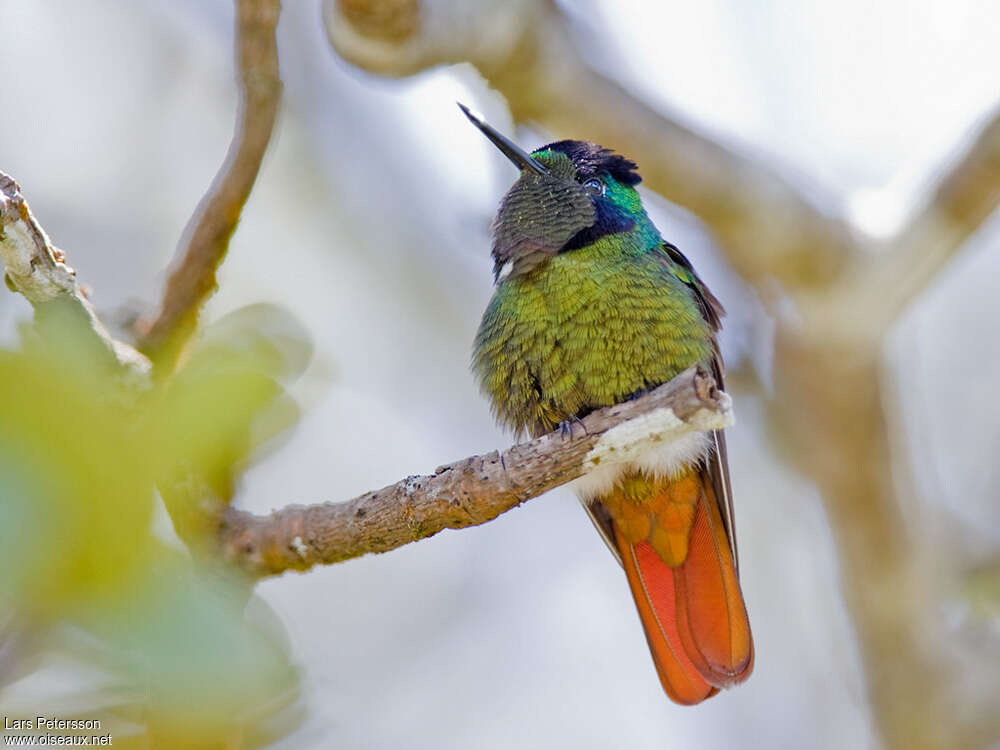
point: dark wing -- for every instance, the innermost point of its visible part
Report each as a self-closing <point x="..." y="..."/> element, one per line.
<point x="711" y="309"/>
<point x="601" y="519"/>
<point x="718" y="462"/>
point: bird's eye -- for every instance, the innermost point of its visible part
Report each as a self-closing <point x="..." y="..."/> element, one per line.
<point x="594" y="186"/>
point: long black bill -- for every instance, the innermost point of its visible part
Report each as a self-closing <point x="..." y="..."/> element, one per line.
<point x="510" y="149"/>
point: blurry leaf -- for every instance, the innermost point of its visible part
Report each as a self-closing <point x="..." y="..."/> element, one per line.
<point x="172" y="657"/>
<point x="273" y="335"/>
<point x="75" y="482"/>
<point x="60" y="330"/>
<point x="981" y="591"/>
<point x="227" y="400"/>
<point x="188" y="642"/>
<point x="20" y="653"/>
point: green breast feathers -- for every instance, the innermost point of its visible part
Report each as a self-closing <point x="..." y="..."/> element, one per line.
<point x="584" y="330"/>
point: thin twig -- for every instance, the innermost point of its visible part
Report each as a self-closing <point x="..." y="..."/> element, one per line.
<point x="206" y="239"/>
<point x="467" y="492"/>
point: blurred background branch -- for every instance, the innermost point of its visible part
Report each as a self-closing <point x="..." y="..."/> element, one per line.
<point x="828" y="403"/>
<point x="529" y="53"/>
<point x="206" y="239"/>
<point x="963" y="198"/>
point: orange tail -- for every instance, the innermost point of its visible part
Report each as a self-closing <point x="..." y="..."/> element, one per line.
<point x="681" y="571"/>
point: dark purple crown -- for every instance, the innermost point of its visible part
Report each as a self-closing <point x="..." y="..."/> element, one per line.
<point x="592" y="160"/>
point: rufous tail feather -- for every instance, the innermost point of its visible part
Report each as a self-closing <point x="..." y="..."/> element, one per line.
<point x="680" y="568"/>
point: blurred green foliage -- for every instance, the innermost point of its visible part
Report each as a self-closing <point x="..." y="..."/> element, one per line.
<point x="82" y="455"/>
<point x="981" y="591"/>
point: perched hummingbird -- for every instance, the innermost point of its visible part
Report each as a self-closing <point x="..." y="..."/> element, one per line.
<point x="593" y="307"/>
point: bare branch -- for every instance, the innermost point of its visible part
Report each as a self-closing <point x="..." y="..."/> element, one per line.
<point x="36" y="269"/>
<point x="208" y="233"/>
<point x="471" y="491"/>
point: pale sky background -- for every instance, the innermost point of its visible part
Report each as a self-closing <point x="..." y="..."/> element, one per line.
<point x="370" y="224"/>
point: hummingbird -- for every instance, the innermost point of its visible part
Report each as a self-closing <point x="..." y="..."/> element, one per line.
<point x="592" y="307"/>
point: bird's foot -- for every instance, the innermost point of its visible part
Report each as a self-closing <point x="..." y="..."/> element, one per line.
<point x="637" y="394"/>
<point x="566" y="427"/>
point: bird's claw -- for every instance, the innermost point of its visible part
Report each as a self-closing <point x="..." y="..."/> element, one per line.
<point x="566" y="427"/>
<point x="637" y="394"/>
